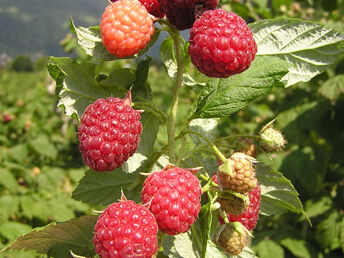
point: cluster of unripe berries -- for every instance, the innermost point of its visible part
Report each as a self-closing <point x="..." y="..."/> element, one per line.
<point x="239" y="197"/>
<point x="221" y="44"/>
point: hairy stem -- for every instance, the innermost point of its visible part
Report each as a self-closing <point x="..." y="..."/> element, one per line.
<point x="175" y="94"/>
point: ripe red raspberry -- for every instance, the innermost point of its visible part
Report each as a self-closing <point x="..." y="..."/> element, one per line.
<point x="221" y="44"/>
<point x="250" y="217"/>
<point x="242" y="178"/>
<point x="174" y="195"/>
<point x="126" y="229"/>
<point x="109" y="133"/>
<point x="231" y="240"/>
<point x="152" y="7"/>
<point x="183" y="13"/>
<point x="126" y="28"/>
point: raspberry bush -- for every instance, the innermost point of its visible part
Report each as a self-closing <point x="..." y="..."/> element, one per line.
<point x="169" y="165"/>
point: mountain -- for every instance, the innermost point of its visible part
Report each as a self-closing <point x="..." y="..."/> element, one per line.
<point x="37" y="26"/>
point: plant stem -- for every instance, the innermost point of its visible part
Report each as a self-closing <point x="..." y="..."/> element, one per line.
<point x="175" y="94"/>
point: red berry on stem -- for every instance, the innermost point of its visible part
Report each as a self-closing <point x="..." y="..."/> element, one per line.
<point x="152" y="7"/>
<point x="109" y="133"/>
<point x="221" y="44"/>
<point x="249" y="218"/>
<point x="183" y="13"/>
<point x="174" y="198"/>
<point x="126" y="28"/>
<point x="126" y="229"/>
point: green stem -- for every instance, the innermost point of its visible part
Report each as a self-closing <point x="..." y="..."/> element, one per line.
<point x="175" y="94"/>
<point x="181" y="151"/>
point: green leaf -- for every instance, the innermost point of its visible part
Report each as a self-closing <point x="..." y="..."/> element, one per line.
<point x="50" y="178"/>
<point x="298" y="247"/>
<point x="78" y="87"/>
<point x="90" y="40"/>
<point x="310" y="46"/>
<point x="206" y="127"/>
<point x="223" y="97"/>
<point x="333" y="88"/>
<point x="59" y="210"/>
<point x="189" y="245"/>
<point x="214" y="251"/>
<point x="8" y="180"/>
<point x="58" y="239"/>
<point x="10" y="229"/>
<point x="168" y="58"/>
<point x="121" y="79"/>
<point x="44" y="147"/>
<point x="182" y="245"/>
<point x="19" y="153"/>
<point x="328" y="231"/>
<point x="9" y="206"/>
<point x="102" y="188"/>
<point x="269" y="249"/>
<point x="150" y="126"/>
<point x="277" y="193"/>
<point x="245" y="253"/>
<point x="205" y="220"/>
<point x="142" y="70"/>
<point x="315" y="208"/>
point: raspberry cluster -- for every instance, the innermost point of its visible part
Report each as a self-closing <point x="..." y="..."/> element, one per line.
<point x="109" y="133"/>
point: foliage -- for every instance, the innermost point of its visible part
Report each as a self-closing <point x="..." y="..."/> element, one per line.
<point x="39" y="157"/>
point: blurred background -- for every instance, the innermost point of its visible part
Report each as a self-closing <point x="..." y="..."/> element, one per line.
<point x="40" y="163"/>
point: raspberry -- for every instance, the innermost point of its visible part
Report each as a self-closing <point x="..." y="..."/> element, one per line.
<point x="232" y="240"/>
<point x="152" y="7"/>
<point x="242" y="178"/>
<point x="248" y="147"/>
<point x="232" y="204"/>
<point x="109" y="133"/>
<point x="250" y="217"/>
<point x="126" y="229"/>
<point x="126" y="28"/>
<point x="183" y="13"/>
<point x="174" y="195"/>
<point x="221" y="44"/>
<point x="272" y="140"/>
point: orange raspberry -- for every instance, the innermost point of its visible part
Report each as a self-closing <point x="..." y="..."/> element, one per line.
<point x="126" y="28"/>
